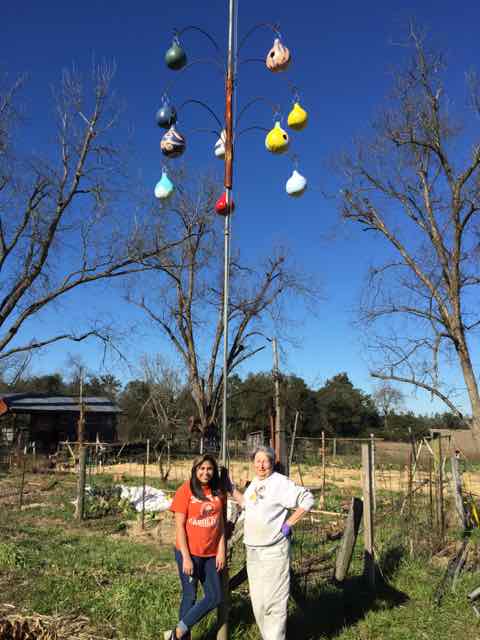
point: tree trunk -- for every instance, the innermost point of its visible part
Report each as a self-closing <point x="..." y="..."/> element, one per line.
<point x="472" y="387"/>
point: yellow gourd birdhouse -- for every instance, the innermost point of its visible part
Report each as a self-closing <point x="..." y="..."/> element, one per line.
<point x="277" y="140"/>
<point x="297" y="118"/>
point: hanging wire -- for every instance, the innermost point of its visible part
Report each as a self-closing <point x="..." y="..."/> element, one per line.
<point x="294" y="159"/>
<point x="267" y="25"/>
<point x="250" y="103"/>
<point x="277" y="114"/>
<point x="295" y="92"/>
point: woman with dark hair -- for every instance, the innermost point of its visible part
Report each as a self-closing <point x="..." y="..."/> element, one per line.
<point x="199" y="507"/>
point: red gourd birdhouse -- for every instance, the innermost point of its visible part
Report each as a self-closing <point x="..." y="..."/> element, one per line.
<point x="221" y="206"/>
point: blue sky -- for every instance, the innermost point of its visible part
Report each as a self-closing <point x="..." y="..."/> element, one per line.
<point x="342" y="58"/>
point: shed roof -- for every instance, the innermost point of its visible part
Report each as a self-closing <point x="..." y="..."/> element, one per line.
<point x="44" y="402"/>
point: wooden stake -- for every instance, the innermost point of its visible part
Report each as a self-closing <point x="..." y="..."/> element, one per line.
<point x="349" y="539"/>
<point x="22" y="481"/>
<point x="82" y="467"/>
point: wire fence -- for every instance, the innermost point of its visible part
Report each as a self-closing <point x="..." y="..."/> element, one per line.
<point x="414" y="503"/>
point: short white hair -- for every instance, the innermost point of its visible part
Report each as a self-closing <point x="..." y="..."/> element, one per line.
<point x="268" y="451"/>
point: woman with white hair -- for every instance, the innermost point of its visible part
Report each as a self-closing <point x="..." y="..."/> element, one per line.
<point x="267" y="531"/>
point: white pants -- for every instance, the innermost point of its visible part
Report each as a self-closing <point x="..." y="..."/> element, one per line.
<point x="268" y="571"/>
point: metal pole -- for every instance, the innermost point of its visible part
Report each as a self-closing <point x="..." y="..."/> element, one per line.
<point x="223" y="610"/>
<point x="280" y="444"/>
<point x="228" y="183"/>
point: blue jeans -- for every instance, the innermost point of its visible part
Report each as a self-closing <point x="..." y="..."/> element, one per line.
<point x="205" y="571"/>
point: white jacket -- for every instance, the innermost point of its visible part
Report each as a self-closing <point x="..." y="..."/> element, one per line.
<point x="266" y="505"/>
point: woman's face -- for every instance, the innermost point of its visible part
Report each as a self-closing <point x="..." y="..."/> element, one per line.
<point x="262" y="465"/>
<point x="204" y="472"/>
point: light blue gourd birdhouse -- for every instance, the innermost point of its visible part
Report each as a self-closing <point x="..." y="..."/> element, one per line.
<point x="164" y="187"/>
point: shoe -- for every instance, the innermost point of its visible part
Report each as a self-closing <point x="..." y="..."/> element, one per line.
<point x="169" y="635"/>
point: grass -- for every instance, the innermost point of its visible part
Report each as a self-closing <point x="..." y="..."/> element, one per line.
<point x="50" y="564"/>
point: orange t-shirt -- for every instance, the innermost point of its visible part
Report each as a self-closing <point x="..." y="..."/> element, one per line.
<point x="203" y="520"/>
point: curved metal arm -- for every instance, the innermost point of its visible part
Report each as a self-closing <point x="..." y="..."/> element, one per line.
<point x="216" y="133"/>
<point x="251" y="129"/>
<point x="195" y="28"/>
<point x="252" y="60"/>
<point x="178" y="74"/>
<point x="260" y="25"/>
<point x="275" y="107"/>
<point x="205" y="106"/>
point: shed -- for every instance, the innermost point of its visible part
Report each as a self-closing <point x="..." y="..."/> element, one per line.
<point x="49" y="419"/>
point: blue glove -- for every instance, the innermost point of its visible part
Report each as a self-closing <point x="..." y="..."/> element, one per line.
<point x="286" y="530"/>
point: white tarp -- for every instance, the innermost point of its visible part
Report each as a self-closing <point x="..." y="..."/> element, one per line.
<point x="155" y="499"/>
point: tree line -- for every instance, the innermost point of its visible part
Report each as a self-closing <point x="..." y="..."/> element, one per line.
<point x="162" y="406"/>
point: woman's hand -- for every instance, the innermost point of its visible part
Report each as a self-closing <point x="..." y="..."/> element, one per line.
<point x="220" y="560"/>
<point x="187" y="566"/>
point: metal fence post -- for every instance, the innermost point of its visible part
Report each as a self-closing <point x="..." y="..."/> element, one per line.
<point x="457" y="492"/>
<point x="374" y="484"/>
<point x="368" y="526"/>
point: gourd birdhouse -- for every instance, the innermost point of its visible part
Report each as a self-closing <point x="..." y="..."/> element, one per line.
<point x="173" y="143"/>
<point x="297" y="118"/>
<point x="277" y="140"/>
<point x="175" y="57"/>
<point x="219" y="149"/>
<point x="278" y="58"/>
<point x="164" y="187"/>
<point x="221" y="206"/>
<point x="166" y="115"/>
<point x="296" y="184"/>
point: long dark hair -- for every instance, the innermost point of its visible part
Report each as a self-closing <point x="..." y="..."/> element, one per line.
<point x="214" y="484"/>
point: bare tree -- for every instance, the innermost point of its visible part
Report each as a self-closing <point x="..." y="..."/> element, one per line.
<point x="165" y="388"/>
<point x="387" y="399"/>
<point x="62" y="215"/>
<point x="416" y="184"/>
<point x="188" y="307"/>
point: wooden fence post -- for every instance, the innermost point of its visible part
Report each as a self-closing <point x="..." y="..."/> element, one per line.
<point x="457" y="492"/>
<point x="349" y="539"/>
<point x="368" y="527"/>
<point x="82" y="469"/>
